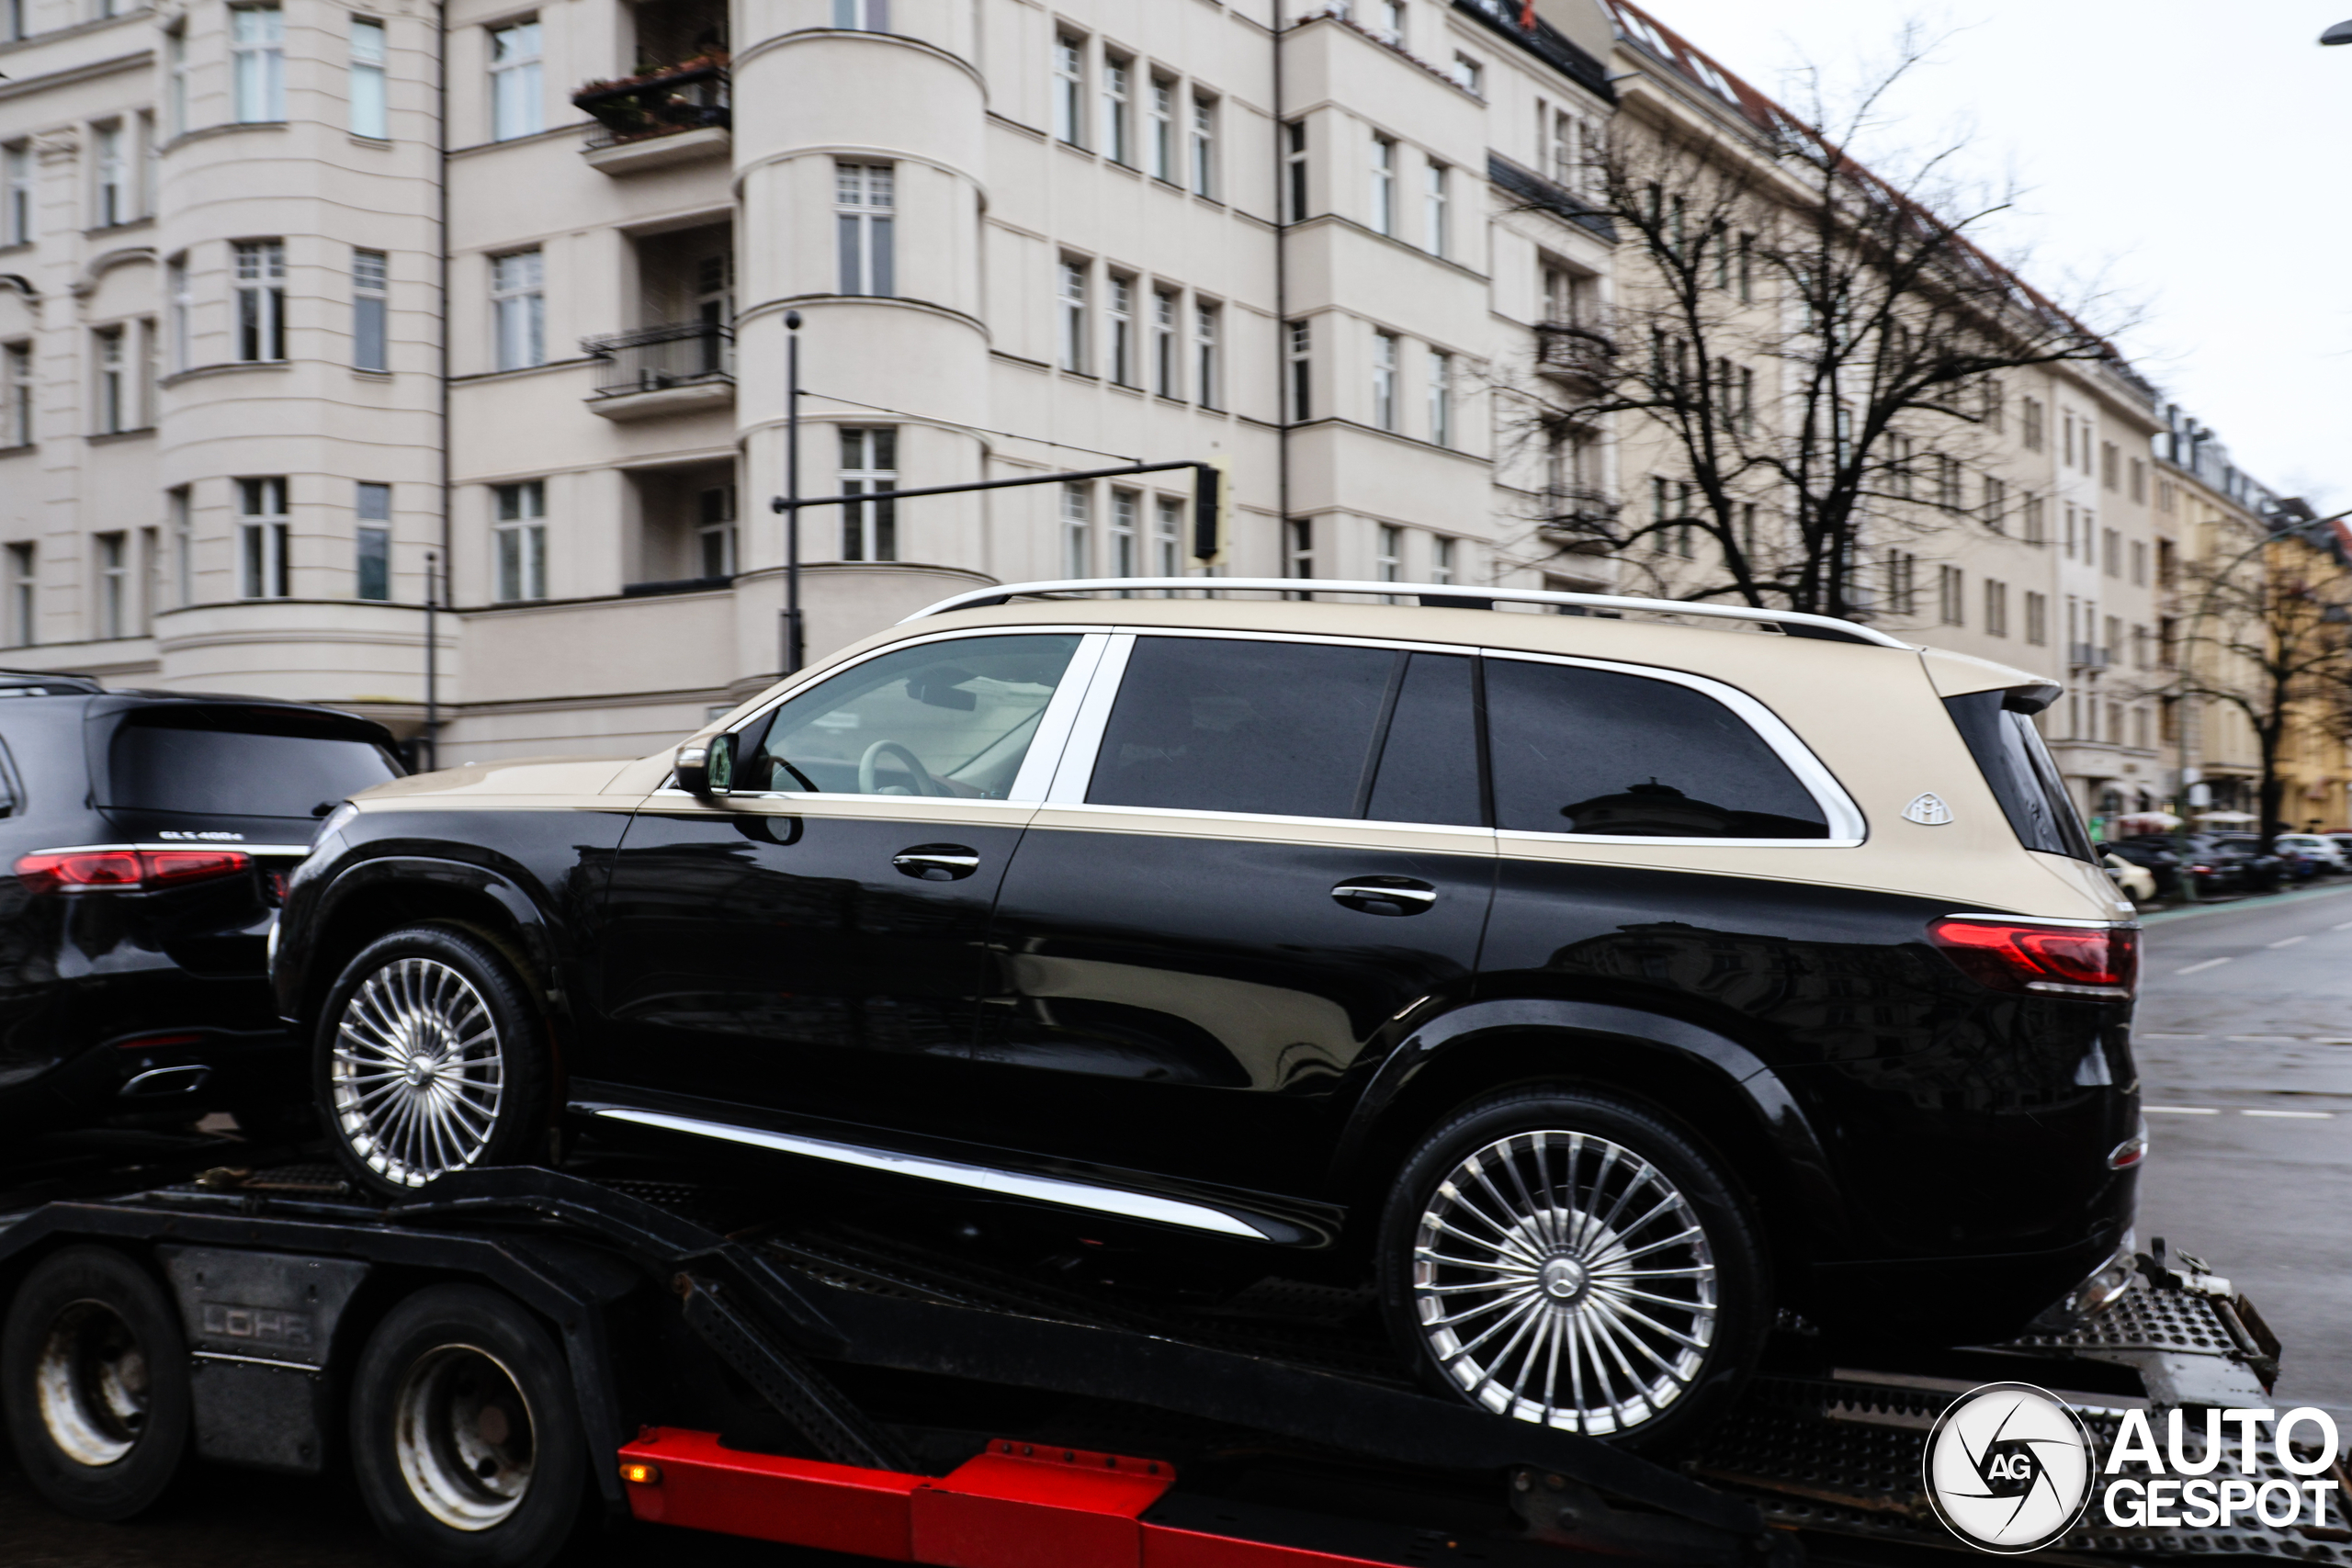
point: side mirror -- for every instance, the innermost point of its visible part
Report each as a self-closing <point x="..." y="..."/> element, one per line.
<point x="707" y="770"/>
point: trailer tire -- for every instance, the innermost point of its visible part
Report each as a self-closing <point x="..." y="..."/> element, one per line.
<point x="444" y="1008"/>
<point x="1507" y="1265"/>
<point x="465" y="1434"/>
<point x="93" y="1378"/>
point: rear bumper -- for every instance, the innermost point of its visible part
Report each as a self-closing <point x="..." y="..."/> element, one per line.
<point x="1956" y="1301"/>
<point x="161" y="1072"/>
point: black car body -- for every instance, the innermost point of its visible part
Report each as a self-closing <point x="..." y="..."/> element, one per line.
<point x="1193" y="969"/>
<point x="145" y="836"/>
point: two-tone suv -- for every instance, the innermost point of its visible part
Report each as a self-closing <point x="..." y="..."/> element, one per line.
<point x="144" y="838"/>
<point x="1586" y="988"/>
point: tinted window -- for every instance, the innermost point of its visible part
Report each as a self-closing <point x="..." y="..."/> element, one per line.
<point x="1592" y="751"/>
<point x="1204" y="724"/>
<point x="2010" y="753"/>
<point x="167" y="765"/>
<point x="943" y="719"/>
<point x="1429" y="761"/>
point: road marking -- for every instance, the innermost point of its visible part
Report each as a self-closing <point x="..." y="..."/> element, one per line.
<point x="2180" y="1111"/>
<point x="2346" y="926"/>
<point x="2209" y="963"/>
<point x="2262" y="1039"/>
<point x="2286" y="941"/>
<point x="2152" y="1034"/>
<point x="2294" y="1115"/>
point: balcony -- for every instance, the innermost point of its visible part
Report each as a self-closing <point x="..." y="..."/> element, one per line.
<point x="1578" y="517"/>
<point x="683" y="368"/>
<point x="668" y="115"/>
<point x="2087" y="656"/>
<point x="1569" y="351"/>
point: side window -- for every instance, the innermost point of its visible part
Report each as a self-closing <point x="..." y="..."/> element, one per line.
<point x="1208" y="723"/>
<point x="941" y="719"/>
<point x="10" y="800"/>
<point x="1577" y="750"/>
<point x="2009" y="752"/>
<point x="1429" y="761"/>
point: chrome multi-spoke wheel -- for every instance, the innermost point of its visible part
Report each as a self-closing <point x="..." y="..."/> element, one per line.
<point x="1559" y="1277"/>
<point x="417" y="1072"/>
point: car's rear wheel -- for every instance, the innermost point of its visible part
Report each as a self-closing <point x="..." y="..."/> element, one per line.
<point x="1570" y="1258"/>
<point x="431" y="1058"/>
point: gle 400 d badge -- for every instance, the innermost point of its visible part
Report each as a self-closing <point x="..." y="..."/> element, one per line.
<point x="2008" y="1467"/>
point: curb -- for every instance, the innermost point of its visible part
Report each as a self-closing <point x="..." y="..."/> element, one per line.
<point x="2259" y="901"/>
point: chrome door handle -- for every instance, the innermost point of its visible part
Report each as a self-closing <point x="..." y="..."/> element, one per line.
<point x="937" y="863"/>
<point x="1385" y="894"/>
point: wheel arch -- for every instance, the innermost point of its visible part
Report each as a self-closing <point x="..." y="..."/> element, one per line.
<point x="384" y="893"/>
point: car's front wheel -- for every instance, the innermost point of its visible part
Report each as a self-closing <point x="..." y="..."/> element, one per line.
<point x="1566" y="1257"/>
<point x="431" y="1058"/>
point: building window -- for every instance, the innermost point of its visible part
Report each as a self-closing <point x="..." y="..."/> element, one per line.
<point x="262" y="535"/>
<point x="1996" y="505"/>
<point x="113" y="203"/>
<point x="1205" y="355"/>
<point x="1166" y="537"/>
<point x="1299" y="561"/>
<point x="1294" y="169"/>
<point x="1996" y="608"/>
<point x="1440" y="559"/>
<point x="2035" y="515"/>
<point x="1162" y="134"/>
<point x="1121" y="315"/>
<point x="176" y="81"/>
<point x="16" y="395"/>
<point x="150" y="581"/>
<point x="865" y="201"/>
<point x="1071" y="306"/>
<point x="1433" y="204"/>
<point x="2140" y="491"/>
<point x="16" y="199"/>
<point x="517" y="104"/>
<point x="257" y="63"/>
<point x="1077" y="525"/>
<point x="2111" y="552"/>
<point x="179" y="304"/>
<point x="1118" y="144"/>
<point x="372" y="553"/>
<point x="1951" y="607"/>
<point x="1124" y="506"/>
<point x="860" y="17"/>
<point x="113" y="584"/>
<point x="2139" y="563"/>
<point x="869" y="467"/>
<point x="1383" y="380"/>
<point x="368" y="304"/>
<point x="1468" y="75"/>
<point x="1069" y="86"/>
<point x="2029" y="417"/>
<point x="2037" y="619"/>
<point x="1203" y="144"/>
<point x="1384" y="185"/>
<point x="23" y="594"/>
<point x="1302" y="368"/>
<point x="1165" y="379"/>
<point x="1440" y="397"/>
<point x="181" y="515"/>
<point x="1388" y="23"/>
<point x="1902" y="584"/>
<point x="518" y="306"/>
<point x="370" y="114"/>
<point x="2111" y="465"/>
<point x="113" y="411"/>
<point x="261" y="299"/>
<point x="1388" y="555"/>
<point x="715" y="530"/>
<point x="519" y="542"/>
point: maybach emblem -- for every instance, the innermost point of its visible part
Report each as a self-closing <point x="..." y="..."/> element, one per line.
<point x="1927" y="809"/>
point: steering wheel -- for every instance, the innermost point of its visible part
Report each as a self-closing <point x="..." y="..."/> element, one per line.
<point x="924" y="782"/>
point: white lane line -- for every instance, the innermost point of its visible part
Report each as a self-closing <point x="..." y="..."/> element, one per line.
<point x="2286" y="941"/>
<point x="2263" y="1039"/>
<point x="2294" y="1115"/>
<point x="2180" y="1111"/>
<point x="2209" y="963"/>
<point x="2346" y="926"/>
<point x="2153" y="1034"/>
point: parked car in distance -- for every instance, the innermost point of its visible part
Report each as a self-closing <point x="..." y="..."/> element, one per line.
<point x="2343" y="842"/>
<point x="2138" y="883"/>
<point x="146" y="835"/>
<point x="2153" y="854"/>
<point x="2232" y="863"/>
<point x="2320" y="850"/>
<point x="1577" y="993"/>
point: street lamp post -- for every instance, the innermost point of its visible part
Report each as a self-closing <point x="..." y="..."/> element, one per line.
<point x="788" y="503"/>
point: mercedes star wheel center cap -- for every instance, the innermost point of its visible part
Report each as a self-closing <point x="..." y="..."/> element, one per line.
<point x="1563" y="1278"/>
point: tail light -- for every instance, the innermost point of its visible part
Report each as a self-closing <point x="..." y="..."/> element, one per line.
<point x="126" y="871"/>
<point x="2020" y="955"/>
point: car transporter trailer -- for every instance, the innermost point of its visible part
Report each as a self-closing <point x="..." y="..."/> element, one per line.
<point x="683" y="1357"/>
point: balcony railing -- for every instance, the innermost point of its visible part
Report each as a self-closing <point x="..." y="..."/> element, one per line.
<point x="655" y="359"/>
<point x="660" y="102"/>
<point x="1578" y="513"/>
<point x="1573" y="351"/>
<point x="2087" y="656"/>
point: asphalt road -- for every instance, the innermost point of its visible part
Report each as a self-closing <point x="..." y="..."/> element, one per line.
<point x="2244" y="1042"/>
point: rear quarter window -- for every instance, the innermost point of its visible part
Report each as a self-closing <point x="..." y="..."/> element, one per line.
<point x="2017" y="765"/>
<point x="197" y="762"/>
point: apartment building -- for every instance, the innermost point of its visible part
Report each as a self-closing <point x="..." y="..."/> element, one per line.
<point x="293" y="338"/>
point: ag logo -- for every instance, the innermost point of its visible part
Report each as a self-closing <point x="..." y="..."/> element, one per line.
<point x="1928" y="810"/>
<point x="2008" y="1467"/>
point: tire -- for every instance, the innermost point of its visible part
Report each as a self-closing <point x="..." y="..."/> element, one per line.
<point x="430" y="1056"/>
<point x="94" y="1379"/>
<point x="465" y="1436"/>
<point x="1486" y="1276"/>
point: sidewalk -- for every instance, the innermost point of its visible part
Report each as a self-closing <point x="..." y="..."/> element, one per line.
<point x="2248" y="900"/>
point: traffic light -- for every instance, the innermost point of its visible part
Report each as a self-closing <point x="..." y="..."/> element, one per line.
<point x="1212" y="509"/>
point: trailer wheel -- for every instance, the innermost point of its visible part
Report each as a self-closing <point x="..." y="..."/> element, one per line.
<point x="94" y="1379"/>
<point x="465" y="1436"/>
<point x="1565" y="1258"/>
<point x="430" y="1058"/>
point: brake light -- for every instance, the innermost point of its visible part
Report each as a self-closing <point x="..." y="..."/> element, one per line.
<point x="2075" y="960"/>
<point x="104" y="871"/>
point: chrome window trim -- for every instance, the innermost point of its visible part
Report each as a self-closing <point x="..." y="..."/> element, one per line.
<point x="1848" y="827"/>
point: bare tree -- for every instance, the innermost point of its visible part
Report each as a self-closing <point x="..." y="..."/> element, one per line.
<point x="1815" y="343"/>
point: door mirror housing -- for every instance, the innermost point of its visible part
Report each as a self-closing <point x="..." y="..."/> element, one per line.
<point x="708" y="769"/>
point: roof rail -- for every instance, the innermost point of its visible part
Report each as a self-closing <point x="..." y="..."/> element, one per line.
<point x="1448" y="596"/>
<point x="46" y="684"/>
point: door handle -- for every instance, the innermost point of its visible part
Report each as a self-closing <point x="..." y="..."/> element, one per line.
<point x="937" y="863"/>
<point x="1385" y="894"/>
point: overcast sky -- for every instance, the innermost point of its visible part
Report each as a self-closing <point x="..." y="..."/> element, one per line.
<point x="2190" y="155"/>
